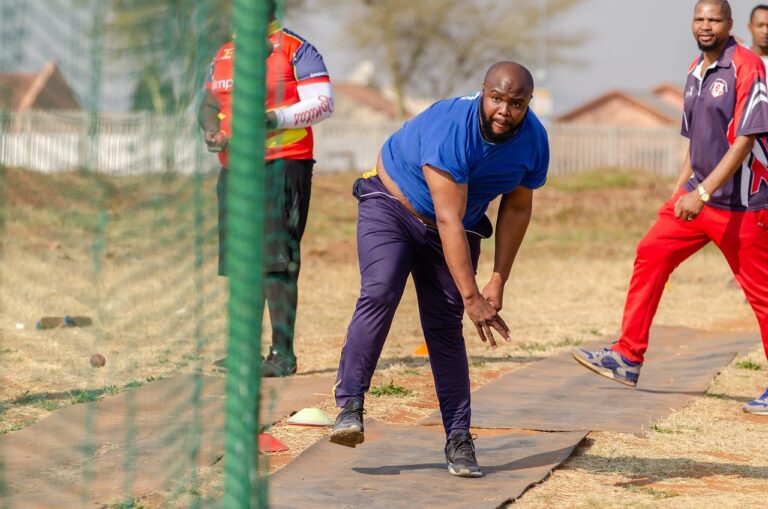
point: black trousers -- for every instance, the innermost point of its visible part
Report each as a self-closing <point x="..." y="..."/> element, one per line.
<point x="287" y="189"/>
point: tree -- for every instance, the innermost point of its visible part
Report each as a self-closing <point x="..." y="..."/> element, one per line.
<point x="153" y="93"/>
<point x="171" y="42"/>
<point x="168" y="45"/>
<point x="435" y="47"/>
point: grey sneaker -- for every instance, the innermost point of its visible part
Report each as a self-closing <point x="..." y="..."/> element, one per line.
<point x="610" y="364"/>
<point x="460" y="455"/>
<point x="348" y="429"/>
<point x="758" y="406"/>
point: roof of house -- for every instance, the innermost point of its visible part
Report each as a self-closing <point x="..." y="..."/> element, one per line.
<point x="13" y="88"/>
<point x="368" y="96"/>
<point x="650" y="102"/>
<point x="668" y="87"/>
<point x="46" y="89"/>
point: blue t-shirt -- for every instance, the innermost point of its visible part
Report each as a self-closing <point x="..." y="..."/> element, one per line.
<point x="447" y="136"/>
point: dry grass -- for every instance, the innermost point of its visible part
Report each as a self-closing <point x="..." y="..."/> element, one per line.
<point x="126" y="256"/>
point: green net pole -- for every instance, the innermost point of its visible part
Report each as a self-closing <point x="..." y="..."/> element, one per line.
<point x="98" y="248"/>
<point x="244" y="482"/>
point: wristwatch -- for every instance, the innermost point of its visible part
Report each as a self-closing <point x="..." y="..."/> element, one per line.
<point x="703" y="194"/>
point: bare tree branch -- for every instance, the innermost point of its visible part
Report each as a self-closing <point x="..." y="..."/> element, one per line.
<point x="437" y="47"/>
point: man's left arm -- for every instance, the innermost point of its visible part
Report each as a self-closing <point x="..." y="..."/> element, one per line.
<point x="749" y="121"/>
<point x="315" y="104"/>
<point x="313" y="88"/>
<point x="511" y="225"/>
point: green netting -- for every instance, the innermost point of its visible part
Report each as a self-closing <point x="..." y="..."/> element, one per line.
<point x="110" y="248"/>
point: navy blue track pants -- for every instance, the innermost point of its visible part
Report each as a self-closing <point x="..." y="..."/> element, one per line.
<point x="391" y="244"/>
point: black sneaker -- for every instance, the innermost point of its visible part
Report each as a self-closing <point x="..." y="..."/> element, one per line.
<point x="273" y="366"/>
<point x="220" y="364"/>
<point x="277" y="364"/>
<point x="460" y="455"/>
<point x="348" y="429"/>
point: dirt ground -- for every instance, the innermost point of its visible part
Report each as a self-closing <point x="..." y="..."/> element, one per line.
<point x="138" y="256"/>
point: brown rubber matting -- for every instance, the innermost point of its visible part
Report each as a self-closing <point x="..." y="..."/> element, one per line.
<point x="558" y="394"/>
<point x="404" y="466"/>
<point x="140" y="441"/>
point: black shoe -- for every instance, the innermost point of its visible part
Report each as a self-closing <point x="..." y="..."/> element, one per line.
<point x="460" y="455"/>
<point x="348" y="429"/>
<point x="220" y="364"/>
<point x="277" y="364"/>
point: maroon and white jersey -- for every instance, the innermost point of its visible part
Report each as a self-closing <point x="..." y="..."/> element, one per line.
<point x="731" y="100"/>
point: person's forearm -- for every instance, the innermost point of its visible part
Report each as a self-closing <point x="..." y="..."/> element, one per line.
<point x="511" y="226"/>
<point x="729" y="164"/>
<point x="457" y="257"/>
<point x="208" y="118"/>
<point x="685" y="173"/>
<point x="315" y="104"/>
<point x="208" y="114"/>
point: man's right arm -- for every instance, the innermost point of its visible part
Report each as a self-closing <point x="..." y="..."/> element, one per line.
<point x="685" y="173"/>
<point x="208" y="118"/>
<point x="450" y="200"/>
<point x="208" y="115"/>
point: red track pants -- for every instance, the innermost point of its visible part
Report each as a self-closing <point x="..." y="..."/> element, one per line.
<point x="741" y="236"/>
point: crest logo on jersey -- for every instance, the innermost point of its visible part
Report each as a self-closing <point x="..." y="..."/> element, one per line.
<point x="690" y="91"/>
<point x="228" y="53"/>
<point x="718" y="88"/>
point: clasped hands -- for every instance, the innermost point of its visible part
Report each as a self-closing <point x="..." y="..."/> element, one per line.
<point x="483" y="309"/>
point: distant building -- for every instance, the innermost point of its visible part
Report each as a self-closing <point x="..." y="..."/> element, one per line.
<point x="45" y="90"/>
<point x="661" y="107"/>
<point x="355" y="102"/>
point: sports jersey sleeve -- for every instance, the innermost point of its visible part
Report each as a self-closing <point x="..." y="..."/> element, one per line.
<point x="315" y="104"/>
<point x="536" y="176"/>
<point x="685" y="128"/>
<point x="443" y="146"/>
<point x="751" y="112"/>
<point x="308" y="65"/>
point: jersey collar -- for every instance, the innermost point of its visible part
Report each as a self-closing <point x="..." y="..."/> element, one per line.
<point x="725" y="60"/>
<point x="273" y="27"/>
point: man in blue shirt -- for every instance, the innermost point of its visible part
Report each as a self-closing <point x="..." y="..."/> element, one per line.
<point x="422" y="212"/>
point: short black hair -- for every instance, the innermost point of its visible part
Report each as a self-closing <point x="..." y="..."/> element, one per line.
<point x="759" y="7"/>
<point x="724" y="5"/>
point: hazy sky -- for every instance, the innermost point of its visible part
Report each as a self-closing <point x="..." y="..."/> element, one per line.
<point x="632" y="44"/>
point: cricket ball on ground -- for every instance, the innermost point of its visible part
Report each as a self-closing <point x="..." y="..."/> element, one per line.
<point x="98" y="360"/>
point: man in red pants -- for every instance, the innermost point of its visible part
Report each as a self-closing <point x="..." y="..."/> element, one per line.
<point x="722" y="193"/>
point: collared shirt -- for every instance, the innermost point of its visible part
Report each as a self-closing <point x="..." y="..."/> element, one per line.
<point x="447" y="136"/>
<point x="730" y="100"/>
<point x="293" y="62"/>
